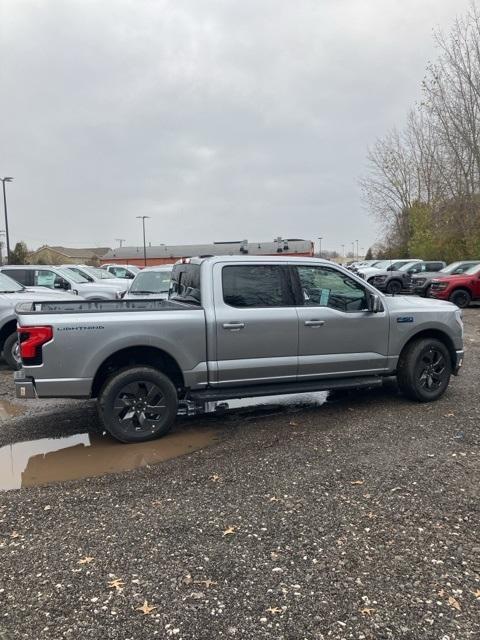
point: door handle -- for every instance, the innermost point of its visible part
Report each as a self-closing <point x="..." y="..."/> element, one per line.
<point x="314" y="323"/>
<point x="233" y="326"/>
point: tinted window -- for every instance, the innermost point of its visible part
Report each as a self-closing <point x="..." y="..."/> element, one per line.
<point x="24" y="276"/>
<point x="325" y="287"/>
<point x="256" y="286"/>
<point x="186" y="283"/>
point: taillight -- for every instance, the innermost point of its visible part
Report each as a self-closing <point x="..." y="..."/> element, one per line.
<point x="31" y="341"/>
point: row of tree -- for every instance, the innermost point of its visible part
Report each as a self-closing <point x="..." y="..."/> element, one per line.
<point x="423" y="181"/>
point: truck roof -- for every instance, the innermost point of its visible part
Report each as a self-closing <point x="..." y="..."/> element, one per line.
<point x="237" y="258"/>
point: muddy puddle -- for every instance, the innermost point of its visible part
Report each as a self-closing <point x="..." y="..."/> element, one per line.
<point x="48" y="460"/>
<point x="9" y="410"/>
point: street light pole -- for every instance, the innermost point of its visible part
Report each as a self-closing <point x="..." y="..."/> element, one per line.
<point x="357" y="248"/>
<point x="4" y="180"/>
<point x="320" y="247"/>
<point x="143" y="218"/>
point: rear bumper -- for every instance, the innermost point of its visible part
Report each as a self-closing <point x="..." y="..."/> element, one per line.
<point x="24" y="387"/>
<point x="458" y="362"/>
<point x="29" y="387"/>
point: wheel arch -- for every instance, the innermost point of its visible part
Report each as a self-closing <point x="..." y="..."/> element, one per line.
<point x="137" y="356"/>
<point x="438" y="334"/>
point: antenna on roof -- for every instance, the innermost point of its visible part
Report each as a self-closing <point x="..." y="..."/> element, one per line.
<point x="120" y="241"/>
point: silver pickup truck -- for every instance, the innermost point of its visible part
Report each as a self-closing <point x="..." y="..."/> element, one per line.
<point x="235" y="327"/>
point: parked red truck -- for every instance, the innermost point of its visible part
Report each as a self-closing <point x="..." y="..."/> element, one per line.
<point x="459" y="289"/>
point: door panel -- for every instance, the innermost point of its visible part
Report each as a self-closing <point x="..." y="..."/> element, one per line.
<point x="337" y="334"/>
<point x="256" y="329"/>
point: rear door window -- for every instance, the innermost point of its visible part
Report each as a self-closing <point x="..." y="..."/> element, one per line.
<point x="257" y="286"/>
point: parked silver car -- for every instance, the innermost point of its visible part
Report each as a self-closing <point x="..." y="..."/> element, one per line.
<point x="58" y="278"/>
<point x="11" y="293"/>
<point x="152" y="282"/>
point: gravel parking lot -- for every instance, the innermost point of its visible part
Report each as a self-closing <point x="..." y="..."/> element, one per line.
<point x="358" y="519"/>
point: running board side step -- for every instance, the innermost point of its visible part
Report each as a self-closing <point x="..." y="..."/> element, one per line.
<point x="229" y="393"/>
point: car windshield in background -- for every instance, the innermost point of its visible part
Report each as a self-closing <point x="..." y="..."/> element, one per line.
<point x="407" y="266"/>
<point x="473" y="270"/>
<point x="99" y="273"/>
<point x="151" y="282"/>
<point x="383" y="264"/>
<point x="8" y="285"/>
<point x="71" y="275"/>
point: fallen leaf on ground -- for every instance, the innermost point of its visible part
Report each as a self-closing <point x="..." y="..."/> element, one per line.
<point x="274" y="499"/>
<point x="229" y="531"/>
<point x="368" y="611"/>
<point x="453" y="603"/>
<point x="293" y="424"/>
<point x="208" y="583"/>
<point x="357" y="482"/>
<point x="14" y="534"/>
<point x="117" y="584"/>
<point x="85" y="560"/>
<point x="215" y="477"/>
<point x="156" y="503"/>
<point x="476" y="593"/>
<point x="187" y="579"/>
<point x="146" y="608"/>
<point x="274" y="610"/>
<point x="449" y="415"/>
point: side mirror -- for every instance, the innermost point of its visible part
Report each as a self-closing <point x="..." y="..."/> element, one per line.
<point x="374" y="303"/>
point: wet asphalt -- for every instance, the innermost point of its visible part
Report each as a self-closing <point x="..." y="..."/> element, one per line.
<point x="355" y="519"/>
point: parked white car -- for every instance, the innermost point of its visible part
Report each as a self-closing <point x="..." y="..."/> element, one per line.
<point x="124" y="271"/>
<point x="151" y="282"/>
<point x="93" y="274"/>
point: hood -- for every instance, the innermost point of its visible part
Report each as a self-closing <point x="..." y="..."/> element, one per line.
<point x="444" y="276"/>
<point x="37" y="294"/>
<point x="428" y="274"/>
<point x="404" y="304"/>
<point x="371" y="271"/>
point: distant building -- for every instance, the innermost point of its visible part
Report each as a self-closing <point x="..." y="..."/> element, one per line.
<point x="63" y="255"/>
<point x="167" y="254"/>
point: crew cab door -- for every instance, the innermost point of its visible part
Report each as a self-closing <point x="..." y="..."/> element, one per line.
<point x="337" y="333"/>
<point x="256" y="324"/>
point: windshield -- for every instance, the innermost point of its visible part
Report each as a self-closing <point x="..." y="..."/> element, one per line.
<point x="151" y="282"/>
<point x="99" y="273"/>
<point x="473" y="270"/>
<point x="407" y="266"/>
<point x="382" y="264"/>
<point x="450" y="268"/>
<point x="71" y="275"/>
<point x="8" y="285"/>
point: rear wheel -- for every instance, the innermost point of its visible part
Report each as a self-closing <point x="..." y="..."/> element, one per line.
<point x="11" y="352"/>
<point x="461" y="297"/>
<point x="138" y="404"/>
<point x="394" y="287"/>
<point x="424" y="370"/>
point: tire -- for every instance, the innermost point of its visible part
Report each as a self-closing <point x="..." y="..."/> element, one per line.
<point x="461" y="297"/>
<point x="11" y="352"/>
<point x="124" y="397"/>
<point x="424" y="370"/>
<point x="426" y="292"/>
<point x="394" y="287"/>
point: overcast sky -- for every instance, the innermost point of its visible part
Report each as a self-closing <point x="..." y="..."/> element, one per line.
<point x="220" y="119"/>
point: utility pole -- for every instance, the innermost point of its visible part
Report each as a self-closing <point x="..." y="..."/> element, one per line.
<point x="2" y="233"/>
<point x="357" y="248"/>
<point x="320" y="238"/>
<point x="143" y="218"/>
<point x="343" y="251"/>
<point x="353" y="250"/>
<point x="120" y="241"/>
<point x="4" y="180"/>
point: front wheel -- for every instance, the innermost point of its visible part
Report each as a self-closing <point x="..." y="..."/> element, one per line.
<point x="11" y="352"/>
<point x="394" y="287"/>
<point x="138" y="404"/>
<point x="424" y="370"/>
<point x="461" y="297"/>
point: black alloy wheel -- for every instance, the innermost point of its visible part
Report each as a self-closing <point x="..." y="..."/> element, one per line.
<point x="138" y="404"/>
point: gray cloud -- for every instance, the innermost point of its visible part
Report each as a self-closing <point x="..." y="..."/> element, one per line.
<point x="221" y="120"/>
